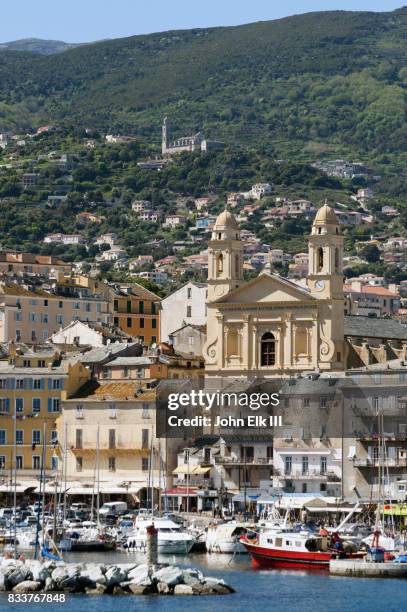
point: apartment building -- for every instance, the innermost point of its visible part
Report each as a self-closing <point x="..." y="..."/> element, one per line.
<point x="32" y="385"/>
<point x="186" y="305"/>
<point x="136" y="311"/>
<point x="114" y="420"/>
<point x="28" y="263"/>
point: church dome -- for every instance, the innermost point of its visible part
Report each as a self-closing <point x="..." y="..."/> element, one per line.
<point x="226" y="220"/>
<point x="326" y="216"/>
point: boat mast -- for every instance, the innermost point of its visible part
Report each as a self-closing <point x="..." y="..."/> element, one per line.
<point x="98" y="475"/>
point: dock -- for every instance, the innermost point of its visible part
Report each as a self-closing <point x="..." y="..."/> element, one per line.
<point x="358" y="568"/>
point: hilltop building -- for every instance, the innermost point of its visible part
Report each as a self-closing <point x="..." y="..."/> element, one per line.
<point x="196" y="142"/>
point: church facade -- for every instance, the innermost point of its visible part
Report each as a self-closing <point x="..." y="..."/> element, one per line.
<point x="269" y="326"/>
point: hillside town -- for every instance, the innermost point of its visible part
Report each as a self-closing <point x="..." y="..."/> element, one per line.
<point x="227" y="289"/>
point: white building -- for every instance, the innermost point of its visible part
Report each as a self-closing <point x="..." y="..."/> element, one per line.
<point x="83" y="334"/>
<point x="110" y="238"/>
<point x="155" y="276"/>
<point x="139" y="206"/>
<point x="65" y="238"/>
<point x="183" y="306"/>
<point x="113" y="254"/>
<point x="260" y="189"/>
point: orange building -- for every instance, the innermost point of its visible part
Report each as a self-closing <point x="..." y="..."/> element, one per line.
<point x="136" y="311"/>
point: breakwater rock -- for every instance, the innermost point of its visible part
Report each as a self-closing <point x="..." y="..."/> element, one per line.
<point x="97" y="578"/>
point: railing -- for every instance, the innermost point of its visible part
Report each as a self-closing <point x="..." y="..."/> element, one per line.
<point x="241" y="461"/>
<point x="309" y="475"/>
<point x="202" y="483"/>
<point x="382" y="462"/>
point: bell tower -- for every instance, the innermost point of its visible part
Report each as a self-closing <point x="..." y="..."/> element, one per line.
<point x="325" y="266"/>
<point x="225" y="257"/>
<point x="165" y="136"/>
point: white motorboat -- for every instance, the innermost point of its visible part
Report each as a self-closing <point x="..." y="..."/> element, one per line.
<point x="172" y="538"/>
<point x="225" y="538"/>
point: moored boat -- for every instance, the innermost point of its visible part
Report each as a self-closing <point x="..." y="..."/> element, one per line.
<point x="288" y="549"/>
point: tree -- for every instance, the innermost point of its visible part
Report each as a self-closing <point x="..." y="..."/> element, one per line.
<point x="371" y="253"/>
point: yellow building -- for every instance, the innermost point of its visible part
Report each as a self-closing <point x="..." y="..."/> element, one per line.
<point x="270" y="326"/>
<point x="112" y="424"/>
<point x="32" y="385"/>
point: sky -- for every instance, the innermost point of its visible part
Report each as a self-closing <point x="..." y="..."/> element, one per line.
<point x="89" y="20"/>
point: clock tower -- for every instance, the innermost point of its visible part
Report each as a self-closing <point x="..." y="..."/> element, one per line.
<point x="325" y="275"/>
<point x="225" y="257"/>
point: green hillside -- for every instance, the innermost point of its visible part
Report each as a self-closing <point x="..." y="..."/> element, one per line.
<point x="331" y="82"/>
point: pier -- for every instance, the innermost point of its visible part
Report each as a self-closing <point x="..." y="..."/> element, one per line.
<point x="359" y="568"/>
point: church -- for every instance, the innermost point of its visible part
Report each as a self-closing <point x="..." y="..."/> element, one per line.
<point x="269" y="326"/>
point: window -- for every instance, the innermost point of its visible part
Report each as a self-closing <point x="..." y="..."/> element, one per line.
<point x="32" y="317"/>
<point x="19" y="462"/>
<point x="3" y="436"/>
<point x="4" y="405"/>
<point x="76" y="305"/>
<point x="144" y="438"/>
<point x="60" y="319"/>
<point x="20" y="383"/>
<point x="376" y="403"/>
<point x="288" y="460"/>
<point x="18" y="335"/>
<point x="323" y="403"/>
<point x="305" y="464"/>
<point x="141" y="323"/>
<point x="128" y="306"/>
<point x="56" y="383"/>
<point x="112" y="411"/>
<point x="45" y="302"/>
<point x="189" y="293"/>
<point x="19" y="404"/>
<point x="54" y="436"/>
<point x="3" y="383"/>
<point x="33" y="335"/>
<point x="323" y="465"/>
<point x="37" y="383"/>
<point x="112" y="464"/>
<point x="144" y="413"/>
<point x="219" y="265"/>
<point x="141" y="338"/>
<point x="337" y="260"/>
<point x="18" y="315"/>
<point x="305" y="402"/>
<point x="116" y="305"/>
<point x="141" y="307"/>
<point x="60" y="304"/>
<point x="19" y="436"/>
<point x="153" y="339"/>
<point x="191" y="340"/>
<point x="54" y="463"/>
<point x="78" y="438"/>
<point x="154" y="323"/>
<point x="144" y="464"/>
<point x="36" y="436"/>
<point x="268" y="349"/>
<point x="112" y="438"/>
<point x="87" y="307"/>
<point x="79" y="464"/>
<point x="36" y="405"/>
<point x="53" y="404"/>
<point x="320" y="255"/>
<point x="2" y="462"/>
<point x="116" y="321"/>
<point x="189" y="311"/>
<point x="128" y="323"/>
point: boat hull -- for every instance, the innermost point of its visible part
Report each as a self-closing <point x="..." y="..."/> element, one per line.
<point x="266" y="558"/>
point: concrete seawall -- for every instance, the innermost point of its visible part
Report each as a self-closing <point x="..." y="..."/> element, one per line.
<point x="362" y="569"/>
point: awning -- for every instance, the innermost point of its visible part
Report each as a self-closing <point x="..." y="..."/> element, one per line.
<point x="50" y="487"/>
<point x="332" y="509"/>
<point x="192" y="469"/>
<point x="20" y="487"/>
<point x="180" y="492"/>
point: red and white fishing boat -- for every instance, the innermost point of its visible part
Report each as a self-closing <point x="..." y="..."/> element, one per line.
<point x="285" y="548"/>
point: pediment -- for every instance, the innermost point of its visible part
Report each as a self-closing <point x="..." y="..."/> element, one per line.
<point x="266" y="288"/>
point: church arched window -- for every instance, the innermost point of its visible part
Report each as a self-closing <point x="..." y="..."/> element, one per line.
<point x="320" y="257"/>
<point x="237" y="265"/>
<point x="268" y="349"/>
<point x="219" y="265"/>
<point x="337" y="260"/>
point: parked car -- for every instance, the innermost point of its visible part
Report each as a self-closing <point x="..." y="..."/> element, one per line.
<point x="114" y="508"/>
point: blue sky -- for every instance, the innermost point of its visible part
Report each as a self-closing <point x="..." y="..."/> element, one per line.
<point x="87" y="20"/>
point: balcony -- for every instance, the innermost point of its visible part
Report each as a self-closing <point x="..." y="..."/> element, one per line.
<point x="389" y="437"/>
<point x="237" y="461"/>
<point x="382" y="462"/>
<point x="309" y="475"/>
<point x="201" y="483"/>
